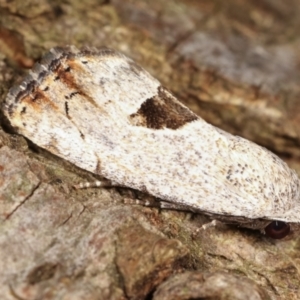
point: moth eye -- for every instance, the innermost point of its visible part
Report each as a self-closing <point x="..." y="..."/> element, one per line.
<point x="277" y="230"/>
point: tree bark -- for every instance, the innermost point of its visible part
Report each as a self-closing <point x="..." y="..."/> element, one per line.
<point x="236" y="64"/>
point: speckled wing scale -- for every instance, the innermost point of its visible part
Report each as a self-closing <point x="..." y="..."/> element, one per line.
<point x="104" y="113"/>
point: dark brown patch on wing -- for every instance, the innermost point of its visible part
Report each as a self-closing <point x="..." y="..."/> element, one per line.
<point x="162" y="111"/>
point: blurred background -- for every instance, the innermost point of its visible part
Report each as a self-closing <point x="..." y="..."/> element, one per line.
<point x="235" y="63"/>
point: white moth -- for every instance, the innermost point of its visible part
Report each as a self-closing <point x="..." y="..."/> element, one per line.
<point x="104" y="113"/>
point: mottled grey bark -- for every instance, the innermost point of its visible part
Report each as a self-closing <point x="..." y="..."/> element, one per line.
<point x="234" y="63"/>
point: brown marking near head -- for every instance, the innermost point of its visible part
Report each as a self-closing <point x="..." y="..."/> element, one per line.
<point x="37" y="100"/>
<point x="162" y="111"/>
<point x="74" y="65"/>
<point x="68" y="79"/>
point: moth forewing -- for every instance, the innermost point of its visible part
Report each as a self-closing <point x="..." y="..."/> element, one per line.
<point x="104" y="113"/>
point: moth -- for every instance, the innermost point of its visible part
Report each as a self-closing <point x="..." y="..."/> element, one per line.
<point x="101" y="111"/>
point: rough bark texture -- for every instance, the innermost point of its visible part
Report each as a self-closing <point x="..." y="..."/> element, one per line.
<point x="235" y="63"/>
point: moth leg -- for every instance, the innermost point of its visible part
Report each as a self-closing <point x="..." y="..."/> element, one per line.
<point x="187" y="208"/>
<point x="213" y="223"/>
<point x="105" y="183"/>
<point x="152" y="201"/>
<point x="182" y="207"/>
<point x="147" y="200"/>
<point x="205" y="226"/>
